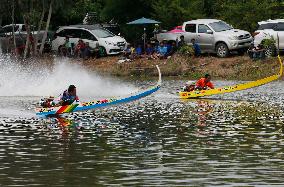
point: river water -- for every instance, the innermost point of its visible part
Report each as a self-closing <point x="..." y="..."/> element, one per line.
<point x="228" y="140"/>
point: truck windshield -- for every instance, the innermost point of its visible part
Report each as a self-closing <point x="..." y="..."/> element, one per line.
<point x="101" y="33"/>
<point x="220" y="26"/>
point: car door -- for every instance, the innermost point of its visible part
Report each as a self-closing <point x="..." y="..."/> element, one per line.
<point x="190" y="32"/>
<point x="205" y="38"/>
<point x="280" y="35"/>
<point x="87" y="36"/>
<point x="59" y="39"/>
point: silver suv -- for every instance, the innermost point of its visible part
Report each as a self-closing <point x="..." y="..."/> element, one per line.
<point x="214" y="36"/>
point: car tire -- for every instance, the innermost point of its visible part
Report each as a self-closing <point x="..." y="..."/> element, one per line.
<point x="222" y="50"/>
<point x="104" y="53"/>
<point x="270" y="51"/>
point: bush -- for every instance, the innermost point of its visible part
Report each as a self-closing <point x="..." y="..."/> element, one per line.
<point x="186" y="50"/>
<point x="268" y="42"/>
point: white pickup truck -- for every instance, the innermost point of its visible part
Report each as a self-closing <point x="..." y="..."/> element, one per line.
<point x="213" y="36"/>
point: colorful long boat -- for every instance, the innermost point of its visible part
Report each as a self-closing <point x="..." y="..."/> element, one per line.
<point x="234" y="88"/>
<point x="82" y="106"/>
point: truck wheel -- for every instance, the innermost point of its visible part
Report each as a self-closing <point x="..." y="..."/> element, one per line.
<point x="222" y="50"/>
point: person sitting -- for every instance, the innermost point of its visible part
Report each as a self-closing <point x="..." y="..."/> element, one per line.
<point x="66" y="98"/>
<point x="173" y="48"/>
<point x="204" y="83"/>
<point x="79" y="49"/>
<point x="149" y="51"/>
<point x="127" y="51"/>
<point x="256" y="53"/>
<point x="189" y="86"/>
<point x="181" y="42"/>
<point x="162" y="51"/>
<point x="196" y="47"/>
<point x="66" y="48"/>
<point x="87" y="51"/>
<point x="138" y="51"/>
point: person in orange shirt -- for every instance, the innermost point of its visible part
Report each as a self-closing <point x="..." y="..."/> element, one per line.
<point x="204" y="83"/>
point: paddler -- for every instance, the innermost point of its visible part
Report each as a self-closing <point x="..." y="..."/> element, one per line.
<point x="204" y="83"/>
<point x="66" y="98"/>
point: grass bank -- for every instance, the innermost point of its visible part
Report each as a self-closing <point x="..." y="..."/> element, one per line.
<point x="232" y="68"/>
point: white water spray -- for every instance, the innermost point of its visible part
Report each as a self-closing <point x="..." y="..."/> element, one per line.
<point x="26" y="80"/>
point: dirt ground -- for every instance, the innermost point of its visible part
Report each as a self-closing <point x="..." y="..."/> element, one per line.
<point x="231" y="68"/>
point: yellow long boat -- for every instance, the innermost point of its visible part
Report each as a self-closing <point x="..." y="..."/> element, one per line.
<point x="234" y="88"/>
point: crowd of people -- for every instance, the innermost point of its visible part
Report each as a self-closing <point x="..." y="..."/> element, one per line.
<point x="81" y="49"/>
<point x="157" y="50"/>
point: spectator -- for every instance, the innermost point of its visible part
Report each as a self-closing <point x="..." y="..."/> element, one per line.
<point x="162" y="51"/>
<point x="66" y="48"/>
<point x="181" y="42"/>
<point x="173" y="48"/>
<point x="196" y="47"/>
<point x="127" y="51"/>
<point x="99" y="51"/>
<point x="79" y="49"/>
<point x="87" y="51"/>
<point x="138" y="51"/>
<point x="149" y="51"/>
<point x="256" y="53"/>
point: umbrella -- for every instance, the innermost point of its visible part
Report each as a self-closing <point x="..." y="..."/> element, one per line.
<point x="143" y="21"/>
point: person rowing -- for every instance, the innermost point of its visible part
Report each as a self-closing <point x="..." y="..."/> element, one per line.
<point x="204" y="83"/>
<point x="66" y="98"/>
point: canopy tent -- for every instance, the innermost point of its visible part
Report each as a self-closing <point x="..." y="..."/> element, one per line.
<point x="143" y="21"/>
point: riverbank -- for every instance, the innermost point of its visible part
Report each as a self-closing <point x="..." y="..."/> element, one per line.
<point x="232" y="68"/>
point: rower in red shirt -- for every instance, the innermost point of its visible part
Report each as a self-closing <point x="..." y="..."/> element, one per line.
<point x="204" y="83"/>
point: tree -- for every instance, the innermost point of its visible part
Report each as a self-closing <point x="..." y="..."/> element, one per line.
<point x="174" y="12"/>
<point x="39" y="25"/>
<point x="245" y="14"/>
<point x="46" y="27"/>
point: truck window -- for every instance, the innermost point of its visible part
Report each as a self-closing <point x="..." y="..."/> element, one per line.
<point x="266" y="26"/>
<point x="190" y="28"/>
<point x="279" y="27"/>
<point x="203" y="28"/>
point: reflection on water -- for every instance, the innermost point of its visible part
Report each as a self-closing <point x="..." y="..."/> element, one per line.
<point x="157" y="141"/>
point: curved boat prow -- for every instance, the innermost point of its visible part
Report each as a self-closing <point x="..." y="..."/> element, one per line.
<point x="99" y="103"/>
<point x="234" y="88"/>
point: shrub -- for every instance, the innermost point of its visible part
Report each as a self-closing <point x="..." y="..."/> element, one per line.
<point x="186" y="50"/>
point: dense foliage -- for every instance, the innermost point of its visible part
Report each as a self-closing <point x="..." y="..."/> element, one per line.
<point x="243" y="14"/>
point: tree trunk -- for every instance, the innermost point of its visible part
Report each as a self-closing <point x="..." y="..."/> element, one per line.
<point x="46" y="28"/>
<point x="27" y="24"/>
<point x="39" y="27"/>
<point x="13" y="30"/>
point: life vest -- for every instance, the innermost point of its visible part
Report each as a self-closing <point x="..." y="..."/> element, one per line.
<point x="202" y="84"/>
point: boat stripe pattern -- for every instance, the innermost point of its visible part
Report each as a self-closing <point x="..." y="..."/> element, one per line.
<point x="234" y="88"/>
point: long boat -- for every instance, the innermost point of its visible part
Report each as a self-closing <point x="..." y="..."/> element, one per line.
<point x="234" y="88"/>
<point x="83" y="106"/>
